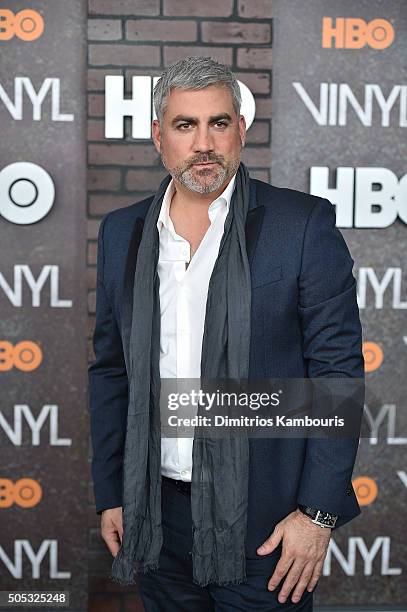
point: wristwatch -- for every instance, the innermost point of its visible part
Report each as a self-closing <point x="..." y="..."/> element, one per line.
<point x="323" y="519"/>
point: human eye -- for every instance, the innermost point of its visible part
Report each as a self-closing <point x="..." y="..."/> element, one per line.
<point x="221" y="124"/>
<point x="183" y="125"/>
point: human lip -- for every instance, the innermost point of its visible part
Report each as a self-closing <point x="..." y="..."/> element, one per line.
<point x="205" y="164"/>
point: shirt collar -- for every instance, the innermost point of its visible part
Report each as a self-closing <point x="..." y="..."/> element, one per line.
<point x="223" y="200"/>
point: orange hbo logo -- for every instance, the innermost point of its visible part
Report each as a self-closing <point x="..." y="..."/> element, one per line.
<point x="25" y="355"/>
<point x="27" y="25"/>
<point x="353" y="33"/>
<point x="366" y="490"/>
<point x="373" y="356"/>
<point x="25" y="492"/>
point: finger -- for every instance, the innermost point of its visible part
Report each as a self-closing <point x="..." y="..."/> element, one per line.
<point x="315" y="575"/>
<point x="271" y="543"/>
<point x="291" y="580"/>
<point x="112" y="541"/>
<point x="280" y="571"/>
<point x="111" y="536"/>
<point x="119" y="527"/>
<point x="302" y="582"/>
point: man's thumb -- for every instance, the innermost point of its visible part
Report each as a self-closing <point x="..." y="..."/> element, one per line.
<point x="271" y="543"/>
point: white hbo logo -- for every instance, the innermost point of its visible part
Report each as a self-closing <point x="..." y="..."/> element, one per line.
<point x="27" y="193"/>
<point x="363" y="197"/>
<point x="140" y="106"/>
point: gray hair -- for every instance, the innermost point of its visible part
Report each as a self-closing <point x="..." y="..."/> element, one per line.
<point x="195" y="73"/>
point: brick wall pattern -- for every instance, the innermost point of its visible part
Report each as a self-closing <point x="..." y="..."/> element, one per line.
<point x="142" y="37"/>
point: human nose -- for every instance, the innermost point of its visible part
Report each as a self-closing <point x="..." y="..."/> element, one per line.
<point x="203" y="139"/>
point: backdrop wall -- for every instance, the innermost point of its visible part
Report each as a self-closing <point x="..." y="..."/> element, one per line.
<point x="339" y="131"/>
<point x="345" y="114"/>
<point x="43" y="403"/>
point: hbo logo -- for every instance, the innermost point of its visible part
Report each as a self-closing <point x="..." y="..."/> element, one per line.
<point x="25" y="356"/>
<point x="354" y="33"/>
<point x="25" y="492"/>
<point x="27" y="25"/>
<point x="27" y="193"/>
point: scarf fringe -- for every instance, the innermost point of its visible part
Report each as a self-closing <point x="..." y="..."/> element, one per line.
<point x="204" y="583"/>
<point x="206" y="568"/>
<point x="124" y="570"/>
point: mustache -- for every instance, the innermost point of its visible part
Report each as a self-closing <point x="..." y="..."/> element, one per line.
<point x="204" y="160"/>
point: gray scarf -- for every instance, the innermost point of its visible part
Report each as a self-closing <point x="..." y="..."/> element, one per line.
<point x="219" y="487"/>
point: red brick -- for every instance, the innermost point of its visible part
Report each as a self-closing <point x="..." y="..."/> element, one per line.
<point x="258" y="133"/>
<point x="257" y="82"/>
<point x="91" y="301"/>
<point x="254" y="58"/>
<point x="221" y="54"/>
<point x="92" y="248"/>
<point x="162" y="30"/>
<point x="92" y="229"/>
<point x="144" y="180"/>
<point x="96" y="105"/>
<point x="123" y="154"/>
<point x="96" y="77"/>
<point x="263" y="108"/>
<point x="91" y="277"/>
<point x="208" y="8"/>
<point x="235" y="32"/>
<point x="124" y="55"/>
<point x="124" y="7"/>
<point x="258" y="9"/>
<point x="130" y="72"/>
<point x="142" y="72"/>
<point x="96" y="130"/>
<point x="104" y="29"/>
<point x="103" y="179"/>
<point x="257" y="157"/>
<point x="102" y="204"/>
<point x="90" y="325"/>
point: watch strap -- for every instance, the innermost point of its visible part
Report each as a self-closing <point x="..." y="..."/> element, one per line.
<point x="319" y="517"/>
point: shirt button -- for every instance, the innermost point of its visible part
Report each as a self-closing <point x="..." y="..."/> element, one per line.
<point x="184" y="472"/>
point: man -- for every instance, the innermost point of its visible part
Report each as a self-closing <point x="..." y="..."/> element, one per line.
<point x="232" y="276"/>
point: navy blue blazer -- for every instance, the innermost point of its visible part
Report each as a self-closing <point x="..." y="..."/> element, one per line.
<point x="304" y="323"/>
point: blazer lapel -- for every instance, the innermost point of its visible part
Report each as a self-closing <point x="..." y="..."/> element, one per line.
<point x="254" y="221"/>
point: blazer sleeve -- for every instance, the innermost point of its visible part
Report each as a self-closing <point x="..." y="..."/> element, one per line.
<point x="108" y="395"/>
<point x="332" y="348"/>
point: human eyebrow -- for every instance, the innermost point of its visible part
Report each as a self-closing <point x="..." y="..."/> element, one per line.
<point x="194" y="120"/>
<point x="184" y="119"/>
<point x="221" y="117"/>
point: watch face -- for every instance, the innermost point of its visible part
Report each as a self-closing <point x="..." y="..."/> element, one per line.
<point x="325" y="519"/>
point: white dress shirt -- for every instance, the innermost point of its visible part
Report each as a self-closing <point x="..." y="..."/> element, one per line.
<point x="183" y="295"/>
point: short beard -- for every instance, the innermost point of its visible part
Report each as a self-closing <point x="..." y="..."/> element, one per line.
<point x="185" y="174"/>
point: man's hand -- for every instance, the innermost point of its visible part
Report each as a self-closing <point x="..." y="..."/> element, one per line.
<point x="112" y="528"/>
<point x="304" y="548"/>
